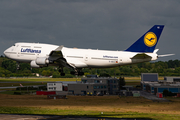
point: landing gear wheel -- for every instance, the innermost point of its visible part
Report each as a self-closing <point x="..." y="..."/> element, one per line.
<point x="61" y="71"/>
<point x="77" y="72"/>
<point x="80" y="73"/>
<point x="17" y="66"/>
<point x="62" y="74"/>
<point x="72" y="73"/>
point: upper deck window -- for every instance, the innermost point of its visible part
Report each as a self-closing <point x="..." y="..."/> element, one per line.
<point x="26" y="46"/>
<point x="37" y="47"/>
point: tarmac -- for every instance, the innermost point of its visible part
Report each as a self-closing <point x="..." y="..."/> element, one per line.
<point x="152" y="97"/>
<point x="55" y="117"/>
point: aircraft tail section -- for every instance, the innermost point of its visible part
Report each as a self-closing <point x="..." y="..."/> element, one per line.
<point x="148" y="41"/>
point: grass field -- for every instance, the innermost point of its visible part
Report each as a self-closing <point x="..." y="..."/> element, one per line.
<point x="111" y="106"/>
<point x="59" y="79"/>
<point x="24" y="84"/>
<point x="133" y="81"/>
<point x="37" y="79"/>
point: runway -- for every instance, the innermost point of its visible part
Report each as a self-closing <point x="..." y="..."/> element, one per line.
<point x="55" y="117"/>
<point x="65" y="83"/>
<point x="11" y="87"/>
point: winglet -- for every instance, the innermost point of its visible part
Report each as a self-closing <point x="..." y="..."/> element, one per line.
<point x="148" y="41"/>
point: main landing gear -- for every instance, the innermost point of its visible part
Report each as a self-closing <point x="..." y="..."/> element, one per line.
<point x="62" y="72"/>
<point x="17" y="66"/>
<point x="75" y="72"/>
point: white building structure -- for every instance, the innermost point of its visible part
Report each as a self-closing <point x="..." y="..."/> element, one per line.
<point x="54" y="86"/>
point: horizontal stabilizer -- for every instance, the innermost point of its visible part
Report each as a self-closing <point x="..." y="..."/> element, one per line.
<point x="165" y="55"/>
<point x="141" y="56"/>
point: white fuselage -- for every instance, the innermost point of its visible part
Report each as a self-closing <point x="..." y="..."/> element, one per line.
<point x="80" y="58"/>
<point x="26" y="52"/>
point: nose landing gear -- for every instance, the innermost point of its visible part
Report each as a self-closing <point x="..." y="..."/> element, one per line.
<point x="61" y="71"/>
<point x="75" y="72"/>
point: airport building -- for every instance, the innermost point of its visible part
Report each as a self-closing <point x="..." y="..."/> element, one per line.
<point x="54" y="86"/>
<point x="94" y="86"/>
<point x="151" y="84"/>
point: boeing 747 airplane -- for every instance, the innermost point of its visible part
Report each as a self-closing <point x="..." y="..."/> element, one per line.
<point x="42" y="55"/>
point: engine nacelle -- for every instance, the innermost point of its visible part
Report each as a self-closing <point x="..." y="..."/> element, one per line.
<point x="42" y="61"/>
<point x="34" y="65"/>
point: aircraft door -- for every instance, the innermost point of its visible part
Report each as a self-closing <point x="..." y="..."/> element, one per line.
<point x="18" y="51"/>
<point x="86" y="58"/>
<point x="14" y="49"/>
<point x="120" y="60"/>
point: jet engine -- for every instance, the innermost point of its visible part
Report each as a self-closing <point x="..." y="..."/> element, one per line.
<point x="39" y="62"/>
<point x="42" y="61"/>
<point x="34" y="65"/>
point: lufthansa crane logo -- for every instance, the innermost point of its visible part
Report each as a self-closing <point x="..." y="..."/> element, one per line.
<point x="150" y="39"/>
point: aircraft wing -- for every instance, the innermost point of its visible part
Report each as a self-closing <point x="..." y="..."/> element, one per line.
<point x="141" y="56"/>
<point x="57" y="52"/>
<point x="57" y="56"/>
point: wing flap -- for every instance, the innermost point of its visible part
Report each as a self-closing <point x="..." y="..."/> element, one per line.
<point x="141" y="56"/>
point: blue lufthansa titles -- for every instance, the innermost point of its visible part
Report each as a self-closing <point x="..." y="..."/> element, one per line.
<point x="105" y="56"/>
<point x="30" y="50"/>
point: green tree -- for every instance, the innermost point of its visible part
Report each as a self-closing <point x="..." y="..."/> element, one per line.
<point x="25" y="66"/>
<point x="104" y="74"/>
<point x="9" y="65"/>
<point x="4" y="72"/>
<point x="56" y="75"/>
<point x="46" y="73"/>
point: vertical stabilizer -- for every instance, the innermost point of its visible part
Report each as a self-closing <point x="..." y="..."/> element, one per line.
<point x="148" y="41"/>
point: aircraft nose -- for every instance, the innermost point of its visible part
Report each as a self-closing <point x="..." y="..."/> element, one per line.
<point x="5" y="53"/>
<point x="10" y="52"/>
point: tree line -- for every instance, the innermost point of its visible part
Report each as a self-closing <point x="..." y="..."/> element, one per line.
<point x="8" y="68"/>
